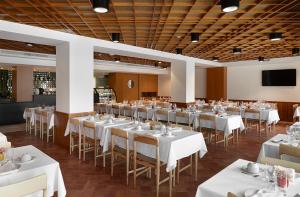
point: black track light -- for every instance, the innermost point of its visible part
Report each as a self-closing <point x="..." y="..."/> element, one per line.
<point x="100" y="6"/>
<point x="195" y="37"/>
<point x="236" y="51"/>
<point x="230" y="5"/>
<point x="179" y="51"/>
<point x="274" y="36"/>
<point x="115" y="37"/>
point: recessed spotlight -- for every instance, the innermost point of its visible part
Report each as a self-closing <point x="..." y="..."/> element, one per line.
<point x="236" y="51"/>
<point x="261" y="59"/>
<point x="295" y="51"/>
<point x="179" y="51"/>
<point x="178" y="36"/>
<point x="29" y="44"/>
<point x="117" y="59"/>
<point x="275" y="36"/>
<point x="230" y="5"/>
<point x="195" y="37"/>
<point x="159" y="62"/>
<point x="215" y="59"/>
<point x="100" y="6"/>
<point x="115" y="37"/>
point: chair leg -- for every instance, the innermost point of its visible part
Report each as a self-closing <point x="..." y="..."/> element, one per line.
<point x="71" y="143"/>
<point x="83" y="148"/>
<point x="196" y="166"/>
<point x="112" y="163"/>
<point x="47" y="129"/>
<point x="95" y="152"/>
<point x="170" y="184"/>
<point x="53" y="134"/>
<point x="158" y="178"/>
<point x="134" y="171"/>
<point x="178" y="171"/>
<point x="103" y="155"/>
<point x="127" y="169"/>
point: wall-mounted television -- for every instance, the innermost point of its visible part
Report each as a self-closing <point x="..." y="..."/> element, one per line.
<point x="283" y="77"/>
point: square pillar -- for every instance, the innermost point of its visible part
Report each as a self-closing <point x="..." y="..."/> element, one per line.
<point x="74" y="77"/>
<point x="183" y="82"/>
<point x="23" y="87"/>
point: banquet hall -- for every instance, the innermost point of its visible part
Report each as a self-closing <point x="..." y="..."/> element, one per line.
<point x="150" y="98"/>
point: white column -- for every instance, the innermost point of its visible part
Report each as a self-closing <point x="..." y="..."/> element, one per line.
<point x="183" y="81"/>
<point x="74" y="77"/>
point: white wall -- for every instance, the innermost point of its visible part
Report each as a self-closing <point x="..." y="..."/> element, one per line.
<point x="244" y="80"/>
<point x="164" y="83"/>
<point x="200" y="82"/>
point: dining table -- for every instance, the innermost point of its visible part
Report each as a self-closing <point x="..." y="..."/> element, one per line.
<point x="33" y="116"/>
<point x="102" y="127"/>
<point x="40" y="164"/>
<point x="234" y="179"/>
<point x="182" y="143"/>
<point x="297" y="112"/>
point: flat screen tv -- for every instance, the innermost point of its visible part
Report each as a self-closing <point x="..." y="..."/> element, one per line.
<point x="284" y="77"/>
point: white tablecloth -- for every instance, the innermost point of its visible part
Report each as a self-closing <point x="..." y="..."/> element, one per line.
<point x="269" y="115"/>
<point x="171" y="149"/>
<point x="297" y="112"/>
<point x="225" y="123"/>
<point x="270" y="148"/>
<point x="33" y="116"/>
<point x="232" y="180"/>
<point x="43" y="164"/>
<point x="101" y="129"/>
<point x="3" y="141"/>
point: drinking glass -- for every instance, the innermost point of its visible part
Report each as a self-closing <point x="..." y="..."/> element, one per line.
<point x="10" y="154"/>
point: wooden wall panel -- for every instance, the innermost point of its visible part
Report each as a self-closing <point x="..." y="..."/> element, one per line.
<point x="148" y="83"/>
<point x="142" y="83"/>
<point x="216" y="83"/>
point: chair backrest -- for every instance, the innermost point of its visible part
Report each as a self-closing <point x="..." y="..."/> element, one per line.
<point x="75" y="121"/>
<point x="252" y="111"/>
<point x="233" y="110"/>
<point x="279" y="162"/>
<point x="207" y="108"/>
<point x="142" y="109"/>
<point x="115" y="106"/>
<point x="89" y="124"/>
<point x="295" y="107"/>
<point x="229" y="194"/>
<point x="285" y="149"/>
<point x="152" y="123"/>
<point x="26" y="187"/>
<point x="207" y="117"/>
<point x="184" y="127"/>
<point x="146" y="140"/>
<point x="127" y="108"/>
<point x="162" y="112"/>
<point x="119" y="132"/>
<point x="182" y="114"/>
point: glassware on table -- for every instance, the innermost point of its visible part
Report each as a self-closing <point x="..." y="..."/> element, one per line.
<point x="282" y="181"/>
<point x="9" y="153"/>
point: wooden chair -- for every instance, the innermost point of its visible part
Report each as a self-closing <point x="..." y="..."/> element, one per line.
<point x="45" y="116"/>
<point x="116" y="109"/>
<point x="295" y="106"/>
<point x="233" y="110"/>
<point x="184" y="115"/>
<point x="256" y="121"/>
<point x="28" y="120"/>
<point x="127" y="111"/>
<point x="149" y="163"/>
<point x="161" y="112"/>
<point x="120" y="152"/>
<point x="26" y="187"/>
<point x="229" y="194"/>
<point x="37" y="121"/>
<point x="91" y="143"/>
<point x="288" y="150"/>
<point x="141" y="111"/>
<point x="279" y="162"/>
<point x="213" y="132"/>
<point x="207" y="108"/>
<point x="102" y="108"/>
<point x="74" y="136"/>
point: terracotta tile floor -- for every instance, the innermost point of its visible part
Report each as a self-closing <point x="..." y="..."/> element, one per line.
<point x="83" y="179"/>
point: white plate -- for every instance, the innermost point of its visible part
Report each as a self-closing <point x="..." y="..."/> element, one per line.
<point x="245" y="170"/>
<point x="19" y="160"/>
<point x="12" y="169"/>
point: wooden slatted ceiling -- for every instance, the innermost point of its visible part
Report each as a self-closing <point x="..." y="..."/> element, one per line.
<point x="167" y="24"/>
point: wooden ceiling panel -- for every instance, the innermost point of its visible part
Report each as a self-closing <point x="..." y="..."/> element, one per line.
<point x="166" y="24"/>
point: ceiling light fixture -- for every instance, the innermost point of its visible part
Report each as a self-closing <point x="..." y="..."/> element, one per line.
<point x="215" y="59"/>
<point x="261" y="59"/>
<point x="195" y="37"/>
<point x="100" y="6"/>
<point x="295" y="51"/>
<point x="275" y="36"/>
<point x="29" y="44"/>
<point x="236" y="51"/>
<point x="159" y="62"/>
<point x="115" y="37"/>
<point x="230" y="5"/>
<point x="179" y="51"/>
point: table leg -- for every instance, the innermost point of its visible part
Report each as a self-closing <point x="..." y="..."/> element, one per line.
<point x="196" y="166"/>
<point x="170" y="183"/>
